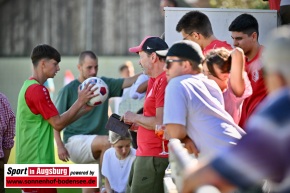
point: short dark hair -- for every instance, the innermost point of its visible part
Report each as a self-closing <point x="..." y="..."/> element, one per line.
<point x="123" y="67"/>
<point x="44" y="51"/>
<point x="221" y="57"/>
<point x="89" y="53"/>
<point x="195" y="21"/>
<point x="246" y="24"/>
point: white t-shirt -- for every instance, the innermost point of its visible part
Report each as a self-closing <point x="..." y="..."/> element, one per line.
<point x="284" y="2"/>
<point x="133" y="91"/>
<point x="117" y="171"/>
<point x="131" y="99"/>
<point x="197" y="103"/>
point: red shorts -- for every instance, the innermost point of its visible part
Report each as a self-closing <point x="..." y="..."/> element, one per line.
<point x="39" y="190"/>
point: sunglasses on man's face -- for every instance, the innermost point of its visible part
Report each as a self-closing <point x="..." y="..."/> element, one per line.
<point x="168" y="63"/>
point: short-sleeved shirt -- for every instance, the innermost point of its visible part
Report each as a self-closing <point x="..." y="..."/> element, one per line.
<point x="39" y="102"/>
<point x="216" y="44"/>
<point x="132" y="100"/>
<point x="233" y="104"/>
<point x="196" y="102"/>
<point x="148" y="143"/>
<point x="117" y="171"/>
<point x="133" y="89"/>
<point x="34" y="141"/>
<point x="94" y="121"/>
<point x="254" y="68"/>
<point x="264" y="152"/>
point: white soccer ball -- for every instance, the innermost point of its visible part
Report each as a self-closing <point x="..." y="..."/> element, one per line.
<point x="102" y="90"/>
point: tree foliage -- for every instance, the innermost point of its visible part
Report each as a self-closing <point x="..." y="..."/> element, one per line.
<point x="240" y="4"/>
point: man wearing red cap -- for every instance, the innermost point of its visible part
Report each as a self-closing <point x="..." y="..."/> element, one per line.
<point x="147" y="171"/>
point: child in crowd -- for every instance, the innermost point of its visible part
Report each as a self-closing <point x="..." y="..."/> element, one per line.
<point x="117" y="162"/>
<point x="226" y="68"/>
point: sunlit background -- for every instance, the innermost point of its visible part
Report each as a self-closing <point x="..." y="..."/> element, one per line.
<point x="108" y="27"/>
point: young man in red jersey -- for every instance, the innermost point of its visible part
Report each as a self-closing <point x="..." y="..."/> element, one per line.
<point x="245" y="33"/>
<point x="37" y="116"/>
<point x="196" y="26"/>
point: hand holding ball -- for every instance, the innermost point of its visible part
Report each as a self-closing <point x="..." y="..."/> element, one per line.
<point x="102" y="90"/>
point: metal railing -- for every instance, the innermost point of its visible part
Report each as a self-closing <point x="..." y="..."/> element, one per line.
<point x="179" y="159"/>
